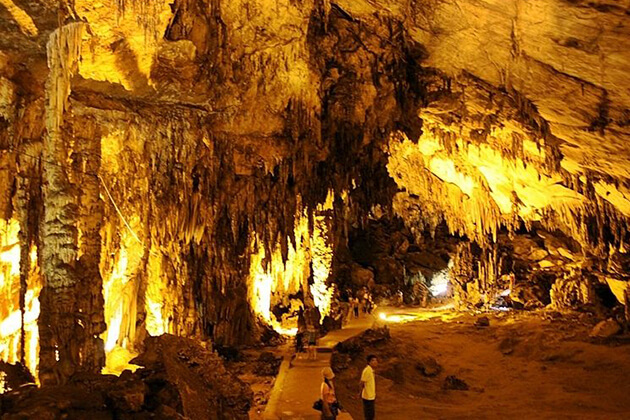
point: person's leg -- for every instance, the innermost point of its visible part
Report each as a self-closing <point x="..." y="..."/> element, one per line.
<point x="368" y="409"/>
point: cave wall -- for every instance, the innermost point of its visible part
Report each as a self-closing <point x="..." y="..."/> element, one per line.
<point x="173" y="149"/>
<point x="182" y="165"/>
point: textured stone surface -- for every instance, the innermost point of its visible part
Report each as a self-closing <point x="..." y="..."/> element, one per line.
<point x="180" y="379"/>
<point x="606" y="329"/>
<point x="171" y="148"/>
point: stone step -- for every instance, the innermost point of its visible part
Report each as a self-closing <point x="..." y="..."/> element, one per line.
<point x="319" y="363"/>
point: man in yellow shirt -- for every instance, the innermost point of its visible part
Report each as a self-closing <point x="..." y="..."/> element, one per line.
<point x="368" y="388"/>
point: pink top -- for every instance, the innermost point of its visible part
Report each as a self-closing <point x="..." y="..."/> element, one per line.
<point x="328" y="393"/>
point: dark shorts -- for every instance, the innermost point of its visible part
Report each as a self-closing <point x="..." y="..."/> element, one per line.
<point x="369" y="410"/>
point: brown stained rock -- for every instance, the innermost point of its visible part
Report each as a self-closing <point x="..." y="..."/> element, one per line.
<point x="372" y="337"/>
<point x="180" y="379"/>
<point x="429" y="367"/>
<point x="267" y="364"/>
<point x="507" y="345"/>
<point x="129" y="393"/>
<point x="454" y="383"/>
<point x="361" y="277"/>
<point x="606" y="329"/>
<point x="206" y="388"/>
<point x="389" y="271"/>
<point x="14" y="375"/>
<point x="482" y="321"/>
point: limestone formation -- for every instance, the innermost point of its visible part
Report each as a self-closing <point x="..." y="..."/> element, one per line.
<point x="206" y="168"/>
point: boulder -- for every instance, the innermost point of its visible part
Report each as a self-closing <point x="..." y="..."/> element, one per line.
<point x="606" y="329"/>
<point x="129" y="393"/>
<point x="372" y="337"/>
<point x="267" y="364"/>
<point x="507" y="345"/>
<point x="360" y="276"/>
<point x="429" y="367"/>
<point x="454" y="383"/>
<point x="389" y="271"/>
<point x="618" y="288"/>
<point x="340" y="361"/>
<point x="482" y="321"/>
<point x="14" y="375"/>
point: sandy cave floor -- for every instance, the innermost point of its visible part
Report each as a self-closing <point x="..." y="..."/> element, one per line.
<point x="524" y="365"/>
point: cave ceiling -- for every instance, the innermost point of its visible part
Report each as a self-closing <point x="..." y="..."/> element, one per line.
<point x="552" y="74"/>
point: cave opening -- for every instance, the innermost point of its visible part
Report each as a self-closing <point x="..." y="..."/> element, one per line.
<point x="213" y="209"/>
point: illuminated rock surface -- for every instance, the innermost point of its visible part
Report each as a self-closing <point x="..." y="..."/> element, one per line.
<point x="205" y="168"/>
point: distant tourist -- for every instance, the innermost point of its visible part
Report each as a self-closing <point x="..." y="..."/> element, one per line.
<point x="355" y="306"/>
<point x="330" y="406"/>
<point x="368" y="388"/>
<point x="301" y="331"/>
<point x="312" y="317"/>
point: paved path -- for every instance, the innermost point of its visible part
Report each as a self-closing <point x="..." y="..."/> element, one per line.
<point x="298" y="382"/>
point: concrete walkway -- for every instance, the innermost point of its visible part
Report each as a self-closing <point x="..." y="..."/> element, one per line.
<point x="298" y="382"/>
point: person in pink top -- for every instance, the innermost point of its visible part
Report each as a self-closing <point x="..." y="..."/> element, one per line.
<point x="329" y="399"/>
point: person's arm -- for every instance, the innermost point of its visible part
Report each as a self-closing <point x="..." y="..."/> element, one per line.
<point x="362" y="385"/>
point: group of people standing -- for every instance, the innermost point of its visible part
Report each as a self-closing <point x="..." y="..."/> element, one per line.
<point x="307" y="331"/>
<point x="328" y="403"/>
<point x="308" y="322"/>
<point x="360" y="302"/>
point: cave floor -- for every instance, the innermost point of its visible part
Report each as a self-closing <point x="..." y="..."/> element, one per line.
<point x="539" y="365"/>
<point x="298" y="382"/>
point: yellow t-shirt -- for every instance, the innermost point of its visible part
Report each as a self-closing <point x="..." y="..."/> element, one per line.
<point x="369" y="387"/>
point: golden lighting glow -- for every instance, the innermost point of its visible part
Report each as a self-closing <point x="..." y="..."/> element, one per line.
<point x="322" y="257"/>
<point x="120" y="292"/>
<point x="24" y="21"/>
<point x="441" y="280"/>
<point x="271" y="286"/>
<point x="123" y="46"/>
<point x="10" y="314"/>
<point x="399" y="316"/>
<point x="476" y="188"/>
<point x="157" y="307"/>
<point x="3" y="385"/>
